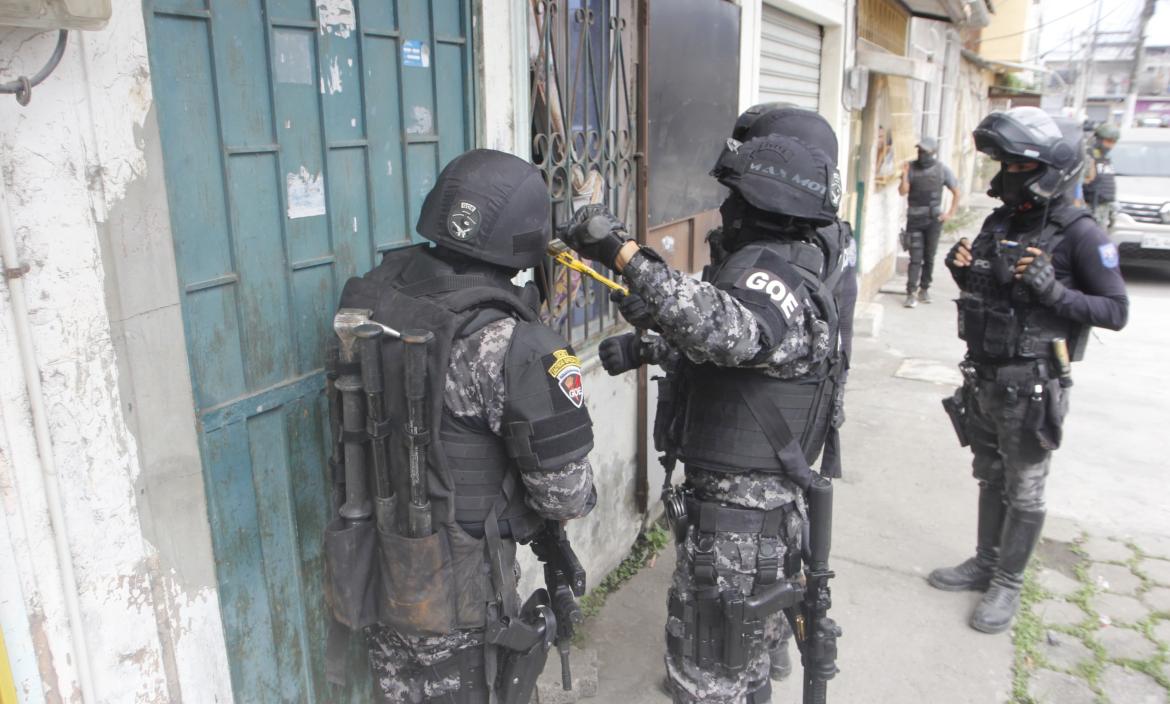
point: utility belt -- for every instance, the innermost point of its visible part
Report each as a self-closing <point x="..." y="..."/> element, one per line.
<point x="922" y="211"/>
<point x="724" y="628"/>
<point x="1043" y="384"/>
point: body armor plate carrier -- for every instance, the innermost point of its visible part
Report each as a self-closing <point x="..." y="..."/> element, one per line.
<point x="999" y="317"/>
<point x="434" y="584"/>
<point x="1103" y="187"/>
<point x="739" y="419"/>
<point x="925" y="198"/>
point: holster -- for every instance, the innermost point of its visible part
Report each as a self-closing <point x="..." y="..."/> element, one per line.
<point x="956" y="410"/>
<point x="525" y="640"/>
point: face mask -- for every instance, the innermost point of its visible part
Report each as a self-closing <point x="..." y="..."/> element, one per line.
<point x="925" y="158"/>
<point x="1013" y="187"/>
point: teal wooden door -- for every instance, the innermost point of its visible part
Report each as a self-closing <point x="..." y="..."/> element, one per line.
<point x="299" y="140"/>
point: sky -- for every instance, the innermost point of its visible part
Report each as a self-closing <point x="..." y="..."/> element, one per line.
<point x="1060" y="18"/>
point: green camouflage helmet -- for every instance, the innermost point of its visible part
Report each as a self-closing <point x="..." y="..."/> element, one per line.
<point x="1107" y="130"/>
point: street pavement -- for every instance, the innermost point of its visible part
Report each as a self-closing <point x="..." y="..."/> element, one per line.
<point x="907" y="504"/>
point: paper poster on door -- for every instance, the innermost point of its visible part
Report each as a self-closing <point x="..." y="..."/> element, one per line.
<point x="306" y="194"/>
<point x="416" y="53"/>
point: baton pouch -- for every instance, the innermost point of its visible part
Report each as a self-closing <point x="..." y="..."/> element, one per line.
<point x="956" y="410"/>
<point x="351" y="573"/>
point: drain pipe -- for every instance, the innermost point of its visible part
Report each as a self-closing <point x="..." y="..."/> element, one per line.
<point x="13" y="276"/>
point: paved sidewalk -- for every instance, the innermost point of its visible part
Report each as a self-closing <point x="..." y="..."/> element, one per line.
<point x="907" y="505"/>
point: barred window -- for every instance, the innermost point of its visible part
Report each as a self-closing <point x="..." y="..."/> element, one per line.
<point x="582" y="137"/>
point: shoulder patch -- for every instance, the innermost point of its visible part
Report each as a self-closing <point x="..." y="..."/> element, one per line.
<point x="565" y="368"/>
<point x="773" y="287"/>
<point x="1110" y="259"/>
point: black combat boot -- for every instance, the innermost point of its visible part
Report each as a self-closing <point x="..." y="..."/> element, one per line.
<point x="1021" y="532"/>
<point x="974" y="574"/>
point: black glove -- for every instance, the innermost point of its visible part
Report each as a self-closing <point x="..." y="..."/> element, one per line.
<point x="620" y="353"/>
<point x="1040" y="276"/>
<point x="596" y="234"/>
<point x="634" y="309"/>
<point x="950" y="258"/>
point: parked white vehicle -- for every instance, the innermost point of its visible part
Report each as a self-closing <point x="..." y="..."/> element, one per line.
<point x="1141" y="226"/>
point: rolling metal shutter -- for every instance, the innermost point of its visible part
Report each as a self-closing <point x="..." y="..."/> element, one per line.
<point x="790" y="59"/>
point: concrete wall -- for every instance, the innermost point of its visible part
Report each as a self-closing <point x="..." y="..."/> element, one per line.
<point x="83" y="174"/>
<point x="1006" y="38"/>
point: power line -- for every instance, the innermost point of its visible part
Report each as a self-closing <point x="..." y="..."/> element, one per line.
<point x="1092" y="28"/>
<point x="1042" y="24"/>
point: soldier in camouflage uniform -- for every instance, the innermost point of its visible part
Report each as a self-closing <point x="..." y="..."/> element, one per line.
<point x="512" y="408"/>
<point x="760" y="333"/>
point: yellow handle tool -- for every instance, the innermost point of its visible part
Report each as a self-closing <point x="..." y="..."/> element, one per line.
<point x="564" y="256"/>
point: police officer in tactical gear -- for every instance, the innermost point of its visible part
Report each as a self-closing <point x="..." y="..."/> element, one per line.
<point x="1038" y="276"/>
<point x="839" y="272"/>
<point x="756" y="345"/>
<point x="922" y="181"/>
<point x="505" y="443"/>
<point x="1100" y="184"/>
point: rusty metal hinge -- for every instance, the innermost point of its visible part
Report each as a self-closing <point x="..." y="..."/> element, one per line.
<point x="15" y="273"/>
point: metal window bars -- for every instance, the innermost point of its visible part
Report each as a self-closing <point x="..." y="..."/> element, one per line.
<point x="582" y="137"/>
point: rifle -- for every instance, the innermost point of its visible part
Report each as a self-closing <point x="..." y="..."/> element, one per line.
<point x="564" y="577"/>
<point x="815" y="632"/>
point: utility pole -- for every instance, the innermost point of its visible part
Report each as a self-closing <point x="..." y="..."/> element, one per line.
<point x="1135" y="73"/>
<point x="1087" y="64"/>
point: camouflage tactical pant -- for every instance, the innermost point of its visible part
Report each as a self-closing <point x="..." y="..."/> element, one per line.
<point x="1008" y="454"/>
<point x="735" y="566"/>
<point x="403" y="666"/>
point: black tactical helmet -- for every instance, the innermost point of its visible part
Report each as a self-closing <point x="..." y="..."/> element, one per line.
<point x="490" y="206"/>
<point x="782" y="175"/>
<point x="789" y="120"/>
<point x="1030" y="134"/>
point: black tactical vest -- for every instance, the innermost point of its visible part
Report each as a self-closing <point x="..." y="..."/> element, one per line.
<point x="468" y="463"/>
<point x="739" y="419"/>
<point x="1103" y="187"/>
<point x="999" y="317"/>
<point x="926" y="184"/>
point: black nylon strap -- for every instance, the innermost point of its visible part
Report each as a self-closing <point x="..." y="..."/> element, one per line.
<point x="349" y="368"/>
<point x="377" y="430"/>
<point x="444" y="284"/>
<point x="354" y="435"/>
<point x="714" y="518"/>
<point x="780" y="437"/>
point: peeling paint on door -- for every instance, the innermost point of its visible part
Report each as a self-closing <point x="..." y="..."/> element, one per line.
<point x="336" y="17"/>
<point x="306" y="194"/>
<point x="423" y="123"/>
<point x="334" y="76"/>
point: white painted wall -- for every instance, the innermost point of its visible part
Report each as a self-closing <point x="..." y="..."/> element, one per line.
<point x="72" y="161"/>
